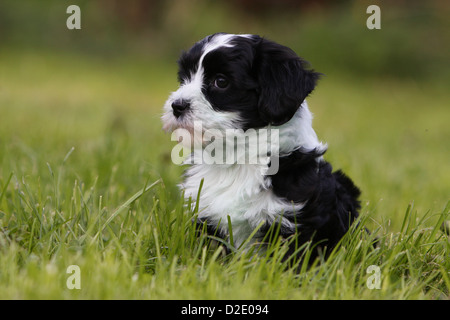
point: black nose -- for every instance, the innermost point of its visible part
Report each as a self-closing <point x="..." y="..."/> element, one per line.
<point x="179" y="107"/>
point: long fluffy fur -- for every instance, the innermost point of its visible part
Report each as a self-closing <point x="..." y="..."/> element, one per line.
<point x="268" y="84"/>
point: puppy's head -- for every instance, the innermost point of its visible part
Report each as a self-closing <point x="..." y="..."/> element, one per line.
<point x="237" y="82"/>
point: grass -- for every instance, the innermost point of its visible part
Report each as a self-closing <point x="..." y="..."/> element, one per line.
<point x="86" y="179"/>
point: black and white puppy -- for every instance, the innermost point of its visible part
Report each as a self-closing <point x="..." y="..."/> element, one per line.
<point x="247" y="82"/>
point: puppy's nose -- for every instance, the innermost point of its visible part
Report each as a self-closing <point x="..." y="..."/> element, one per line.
<point x="179" y="107"/>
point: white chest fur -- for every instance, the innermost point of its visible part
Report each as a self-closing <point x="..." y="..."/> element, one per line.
<point x="241" y="191"/>
<point x="238" y="191"/>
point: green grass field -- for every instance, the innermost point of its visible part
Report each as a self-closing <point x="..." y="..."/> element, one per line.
<point x="86" y="179"/>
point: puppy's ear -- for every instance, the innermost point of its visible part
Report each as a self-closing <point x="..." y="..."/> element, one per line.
<point x="284" y="81"/>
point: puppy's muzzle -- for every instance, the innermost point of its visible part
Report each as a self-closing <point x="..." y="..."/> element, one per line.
<point x="179" y="107"/>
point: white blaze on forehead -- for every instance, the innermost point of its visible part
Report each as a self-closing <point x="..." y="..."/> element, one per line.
<point x="191" y="90"/>
<point x="218" y="41"/>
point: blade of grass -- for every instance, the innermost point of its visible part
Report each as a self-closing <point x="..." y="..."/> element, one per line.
<point x="197" y="202"/>
<point x="5" y="187"/>
<point x="230" y="230"/>
<point x="124" y="206"/>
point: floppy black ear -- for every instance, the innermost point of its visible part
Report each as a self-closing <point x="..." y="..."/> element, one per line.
<point x="284" y="81"/>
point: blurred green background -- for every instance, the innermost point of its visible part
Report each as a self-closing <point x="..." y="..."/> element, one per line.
<point x="413" y="40"/>
<point x="383" y="105"/>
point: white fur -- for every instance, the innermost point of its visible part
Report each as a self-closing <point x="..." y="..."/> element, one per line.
<point x="191" y="89"/>
<point x="239" y="191"/>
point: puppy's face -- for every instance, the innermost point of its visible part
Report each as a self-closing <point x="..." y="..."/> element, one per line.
<point x="237" y="82"/>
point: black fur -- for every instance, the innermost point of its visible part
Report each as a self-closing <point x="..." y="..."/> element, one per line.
<point x="284" y="82"/>
<point x="331" y="200"/>
<point x="267" y="83"/>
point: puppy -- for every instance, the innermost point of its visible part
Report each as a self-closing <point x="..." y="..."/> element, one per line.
<point x="246" y="83"/>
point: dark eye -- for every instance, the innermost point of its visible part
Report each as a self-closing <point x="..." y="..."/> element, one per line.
<point x="221" y="82"/>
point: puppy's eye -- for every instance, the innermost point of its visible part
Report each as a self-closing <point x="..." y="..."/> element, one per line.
<point x="221" y="83"/>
